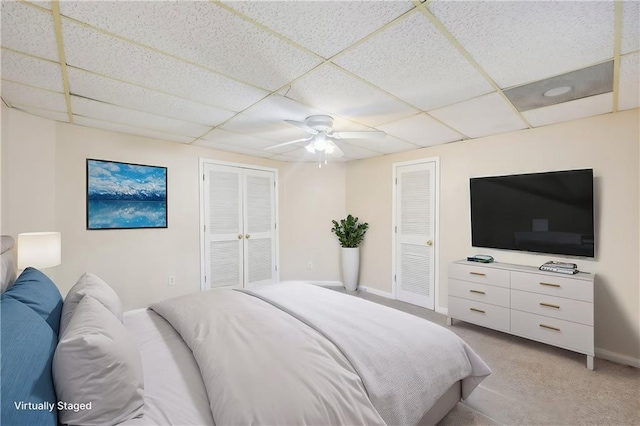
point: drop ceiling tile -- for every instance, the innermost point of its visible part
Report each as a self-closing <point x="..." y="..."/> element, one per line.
<point x="354" y="151"/>
<point x="630" y="26"/>
<point x="203" y="33"/>
<point x="388" y="145"/>
<point x="233" y="148"/>
<point x="572" y="110"/>
<point x="517" y="42"/>
<point x="332" y="90"/>
<point x="32" y="71"/>
<point x="45" y="4"/>
<point x="116" y="114"/>
<point x="416" y="63"/>
<point x="129" y="130"/>
<point x="629" y="85"/>
<point x="269" y="130"/>
<point x="28" y="29"/>
<point x="44" y="113"/>
<point x="103" y="54"/>
<point x="104" y="89"/>
<point x="324" y="27"/>
<point x="421" y="130"/>
<point x="245" y="141"/>
<point x="483" y="116"/>
<point x="20" y="94"/>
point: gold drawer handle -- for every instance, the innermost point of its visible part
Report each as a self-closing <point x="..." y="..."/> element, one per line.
<point x="550" y="285"/>
<point x="477" y="273"/>
<point x="548" y="305"/>
<point x="549" y="327"/>
<point x="477" y="310"/>
<point x="476" y="291"/>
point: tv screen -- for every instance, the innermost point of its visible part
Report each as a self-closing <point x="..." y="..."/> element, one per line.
<point x="538" y="212"/>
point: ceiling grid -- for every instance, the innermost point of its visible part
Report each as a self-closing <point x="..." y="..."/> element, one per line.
<point x="133" y="84"/>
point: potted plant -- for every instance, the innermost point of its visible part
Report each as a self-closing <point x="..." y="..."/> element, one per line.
<point x="350" y="234"/>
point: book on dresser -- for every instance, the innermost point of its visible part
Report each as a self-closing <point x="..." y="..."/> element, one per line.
<point x="525" y="301"/>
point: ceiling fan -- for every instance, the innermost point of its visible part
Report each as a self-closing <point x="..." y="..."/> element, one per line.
<point x="321" y="141"/>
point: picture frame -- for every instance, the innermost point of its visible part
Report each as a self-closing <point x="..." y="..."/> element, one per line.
<point x="125" y="195"/>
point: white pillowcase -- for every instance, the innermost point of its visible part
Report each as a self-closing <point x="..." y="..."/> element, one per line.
<point x="91" y="285"/>
<point x="7" y="263"/>
<point x="98" y="362"/>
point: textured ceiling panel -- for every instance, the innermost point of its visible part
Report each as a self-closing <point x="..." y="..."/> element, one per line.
<point x="572" y="110"/>
<point x="237" y="149"/>
<point x="421" y="130"/>
<point x="129" y="130"/>
<point x="388" y="145"/>
<point x="483" y="116"/>
<point x="518" y="42"/>
<point x="232" y="140"/>
<point x="45" y="113"/>
<point x="414" y="61"/>
<point x="274" y="108"/>
<point x="586" y="82"/>
<point x="94" y="51"/>
<point x="103" y="89"/>
<point x="28" y="96"/>
<point x="116" y="114"/>
<point x="45" y="4"/>
<point x="203" y="33"/>
<point x="336" y="92"/>
<point x="354" y="151"/>
<point x="29" y="70"/>
<point x="630" y="26"/>
<point x="302" y="154"/>
<point x="269" y="130"/>
<point x="629" y="86"/>
<point x="28" y="29"/>
<point x="323" y="27"/>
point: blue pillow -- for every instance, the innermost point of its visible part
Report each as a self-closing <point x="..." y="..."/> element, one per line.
<point x="28" y="344"/>
<point x="37" y="291"/>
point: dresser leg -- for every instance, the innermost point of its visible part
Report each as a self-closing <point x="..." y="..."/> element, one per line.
<point x="449" y="321"/>
<point x="589" y="362"/>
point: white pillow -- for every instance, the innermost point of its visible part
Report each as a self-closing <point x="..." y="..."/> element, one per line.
<point x="97" y="362"/>
<point x="7" y="263"/>
<point x="91" y="285"/>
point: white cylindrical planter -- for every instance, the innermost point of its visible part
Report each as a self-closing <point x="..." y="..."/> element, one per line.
<point x="350" y="267"/>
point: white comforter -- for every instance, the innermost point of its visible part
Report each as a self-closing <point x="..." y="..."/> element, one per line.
<point x="262" y="366"/>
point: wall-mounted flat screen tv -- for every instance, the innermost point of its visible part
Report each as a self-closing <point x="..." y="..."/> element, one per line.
<point x="538" y="212"/>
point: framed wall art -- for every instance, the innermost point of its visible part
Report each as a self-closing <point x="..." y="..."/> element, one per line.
<point x="125" y="195"/>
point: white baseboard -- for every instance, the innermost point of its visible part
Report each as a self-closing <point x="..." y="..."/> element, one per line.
<point x="616" y="357"/>
<point x="442" y="310"/>
<point x="327" y="283"/>
<point x="377" y="292"/>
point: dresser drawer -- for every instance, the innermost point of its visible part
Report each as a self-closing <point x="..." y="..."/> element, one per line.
<point x="478" y="274"/>
<point x="569" y="335"/>
<point x="490" y="316"/>
<point x="553" y="286"/>
<point x="479" y="292"/>
<point x="555" y="307"/>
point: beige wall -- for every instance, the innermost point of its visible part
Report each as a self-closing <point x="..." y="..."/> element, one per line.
<point x="309" y="199"/>
<point x="607" y="143"/>
<point x="43" y="188"/>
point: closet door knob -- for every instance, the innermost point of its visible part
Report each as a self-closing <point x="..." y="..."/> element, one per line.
<point x="247" y="236"/>
<point x="239" y="236"/>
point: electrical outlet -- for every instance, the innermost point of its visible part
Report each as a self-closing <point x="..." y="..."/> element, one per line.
<point x="172" y="279"/>
<point x="309" y="265"/>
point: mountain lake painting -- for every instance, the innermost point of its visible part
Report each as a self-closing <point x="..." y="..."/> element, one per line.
<point x="125" y="196"/>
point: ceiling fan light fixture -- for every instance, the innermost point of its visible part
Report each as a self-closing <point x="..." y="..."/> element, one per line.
<point x="310" y="148"/>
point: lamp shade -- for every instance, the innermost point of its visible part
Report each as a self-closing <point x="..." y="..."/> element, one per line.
<point x="39" y="249"/>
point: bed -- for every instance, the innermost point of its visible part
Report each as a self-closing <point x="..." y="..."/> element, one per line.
<point x="286" y="353"/>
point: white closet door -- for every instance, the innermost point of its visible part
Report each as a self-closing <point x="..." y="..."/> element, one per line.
<point x="415" y="221"/>
<point x="259" y="227"/>
<point x="224" y="236"/>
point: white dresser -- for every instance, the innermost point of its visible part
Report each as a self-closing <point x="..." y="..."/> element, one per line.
<point x="548" y="307"/>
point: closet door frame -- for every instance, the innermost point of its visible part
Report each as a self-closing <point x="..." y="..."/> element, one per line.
<point x="201" y="229"/>
<point x="394" y="223"/>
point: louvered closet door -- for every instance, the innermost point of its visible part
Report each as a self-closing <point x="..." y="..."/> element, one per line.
<point x="259" y="227"/>
<point x="415" y="204"/>
<point x="224" y="236"/>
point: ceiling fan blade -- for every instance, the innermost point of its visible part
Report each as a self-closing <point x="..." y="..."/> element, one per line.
<point x="289" y="143"/>
<point x="335" y="151"/>
<point x="302" y="125"/>
<point x="359" y="135"/>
